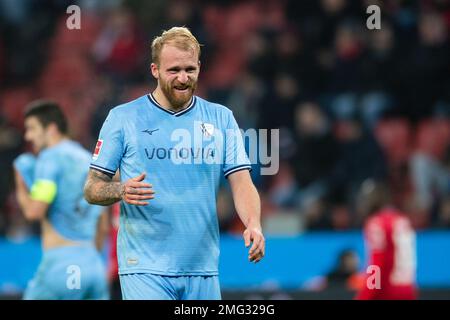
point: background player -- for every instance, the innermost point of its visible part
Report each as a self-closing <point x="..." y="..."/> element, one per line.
<point x="390" y="241"/>
<point x="168" y="247"/>
<point x="49" y="189"/>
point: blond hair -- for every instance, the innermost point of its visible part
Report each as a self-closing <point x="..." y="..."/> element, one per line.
<point x="180" y="37"/>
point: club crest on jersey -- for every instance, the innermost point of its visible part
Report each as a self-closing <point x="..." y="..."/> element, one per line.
<point x="98" y="148"/>
<point x="207" y="129"/>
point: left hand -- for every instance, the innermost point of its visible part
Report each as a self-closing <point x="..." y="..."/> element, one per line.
<point x="257" y="251"/>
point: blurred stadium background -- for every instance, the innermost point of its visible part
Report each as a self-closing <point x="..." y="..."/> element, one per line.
<point x="350" y="103"/>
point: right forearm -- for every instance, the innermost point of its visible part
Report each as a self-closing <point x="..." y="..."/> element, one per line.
<point x="102" y="190"/>
<point x="99" y="190"/>
<point x="103" y="193"/>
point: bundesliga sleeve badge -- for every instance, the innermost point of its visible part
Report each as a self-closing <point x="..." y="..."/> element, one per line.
<point x="98" y="148"/>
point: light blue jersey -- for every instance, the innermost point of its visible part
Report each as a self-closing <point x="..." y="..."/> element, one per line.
<point x="65" y="165"/>
<point x="184" y="154"/>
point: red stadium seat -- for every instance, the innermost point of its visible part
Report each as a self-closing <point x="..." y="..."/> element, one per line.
<point x="433" y="137"/>
<point x="233" y="26"/>
<point x="72" y="72"/>
<point x="78" y="40"/>
<point x="136" y="91"/>
<point x="13" y="103"/>
<point x="225" y="73"/>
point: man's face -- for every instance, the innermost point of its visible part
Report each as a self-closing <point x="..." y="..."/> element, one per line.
<point x="35" y="134"/>
<point x="177" y="74"/>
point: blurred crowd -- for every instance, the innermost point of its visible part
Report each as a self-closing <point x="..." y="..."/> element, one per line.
<point x="351" y="103"/>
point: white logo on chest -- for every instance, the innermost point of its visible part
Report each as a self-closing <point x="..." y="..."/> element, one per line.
<point x="207" y="129"/>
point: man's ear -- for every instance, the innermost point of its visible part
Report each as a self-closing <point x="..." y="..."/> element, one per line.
<point x="155" y="71"/>
<point x="51" y="128"/>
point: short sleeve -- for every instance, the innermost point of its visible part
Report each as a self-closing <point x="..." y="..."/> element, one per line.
<point x="109" y="148"/>
<point x="25" y="164"/>
<point x="235" y="157"/>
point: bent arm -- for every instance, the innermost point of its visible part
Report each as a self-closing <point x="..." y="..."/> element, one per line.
<point x="100" y="189"/>
<point x="34" y="209"/>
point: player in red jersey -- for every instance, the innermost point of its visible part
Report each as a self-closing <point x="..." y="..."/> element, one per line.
<point x="113" y="267"/>
<point x="390" y="240"/>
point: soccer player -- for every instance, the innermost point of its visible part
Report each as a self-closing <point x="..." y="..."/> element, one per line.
<point x="390" y="240"/>
<point x="113" y="267"/>
<point x="172" y="148"/>
<point x="49" y="189"/>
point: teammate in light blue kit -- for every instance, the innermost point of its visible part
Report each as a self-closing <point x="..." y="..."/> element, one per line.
<point x="168" y="247"/>
<point x="49" y="188"/>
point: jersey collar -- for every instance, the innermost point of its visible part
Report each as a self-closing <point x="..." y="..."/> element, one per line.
<point x="176" y="114"/>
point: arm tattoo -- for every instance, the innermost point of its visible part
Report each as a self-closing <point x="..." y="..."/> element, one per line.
<point x="100" y="189"/>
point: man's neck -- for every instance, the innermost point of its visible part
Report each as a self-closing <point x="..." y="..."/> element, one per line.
<point x="55" y="140"/>
<point x="160" y="97"/>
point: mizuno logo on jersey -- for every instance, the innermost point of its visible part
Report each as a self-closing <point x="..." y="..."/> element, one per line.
<point x="150" y="132"/>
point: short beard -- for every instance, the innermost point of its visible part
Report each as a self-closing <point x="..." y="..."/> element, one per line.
<point x="177" y="103"/>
